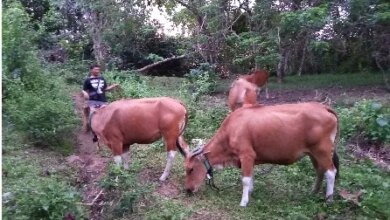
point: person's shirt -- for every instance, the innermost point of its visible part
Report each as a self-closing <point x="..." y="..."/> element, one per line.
<point x="95" y="87"/>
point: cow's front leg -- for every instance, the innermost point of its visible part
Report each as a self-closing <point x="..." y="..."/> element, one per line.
<point x="247" y="164"/>
<point x="117" y="150"/>
<point x="126" y="160"/>
<point x="170" y="158"/>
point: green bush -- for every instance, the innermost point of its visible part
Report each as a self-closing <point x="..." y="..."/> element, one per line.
<point x="202" y="80"/>
<point x="27" y="194"/>
<point x="43" y="199"/>
<point x="368" y="120"/>
<point x="124" y="190"/>
<point x="47" y="116"/>
<point x="204" y="122"/>
<point x="34" y="101"/>
<point x="131" y="85"/>
<point x="73" y="71"/>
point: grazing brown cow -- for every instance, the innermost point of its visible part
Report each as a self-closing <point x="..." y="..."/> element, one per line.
<point x="259" y="78"/>
<point x="242" y="93"/>
<point x="143" y="121"/>
<point x="279" y="134"/>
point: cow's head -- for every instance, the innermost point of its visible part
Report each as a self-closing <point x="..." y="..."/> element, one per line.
<point x="195" y="170"/>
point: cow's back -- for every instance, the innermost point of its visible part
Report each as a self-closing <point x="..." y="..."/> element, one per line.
<point x="138" y="120"/>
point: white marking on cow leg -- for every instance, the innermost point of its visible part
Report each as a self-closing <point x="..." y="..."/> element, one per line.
<point x="126" y="160"/>
<point x="182" y="125"/>
<point x="251" y="186"/>
<point x="246" y="182"/>
<point x="118" y="160"/>
<point x="170" y="158"/>
<point x="333" y="135"/>
<point x="218" y="166"/>
<point x="330" y="177"/>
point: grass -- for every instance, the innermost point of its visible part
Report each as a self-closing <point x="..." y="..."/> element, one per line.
<point x="305" y="82"/>
<point x="327" y="81"/>
<point x="36" y="183"/>
<point x="284" y="193"/>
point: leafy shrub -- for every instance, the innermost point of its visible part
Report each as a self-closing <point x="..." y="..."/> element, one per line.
<point x="43" y="199"/>
<point x="28" y="197"/>
<point x="202" y="80"/>
<point x="125" y="190"/>
<point x="131" y="85"/>
<point x="204" y="122"/>
<point x="73" y="71"/>
<point x="367" y="119"/>
<point x="170" y="210"/>
<point x="47" y="117"/>
<point x="34" y="101"/>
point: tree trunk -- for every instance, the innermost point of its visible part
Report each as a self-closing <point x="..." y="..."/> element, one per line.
<point x="303" y="56"/>
<point x="95" y="23"/>
<point x="285" y="63"/>
<point x="384" y="72"/>
<point x="280" y="70"/>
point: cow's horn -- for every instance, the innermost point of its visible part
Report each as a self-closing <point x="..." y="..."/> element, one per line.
<point x="197" y="151"/>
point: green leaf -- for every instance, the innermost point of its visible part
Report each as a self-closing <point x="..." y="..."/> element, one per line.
<point x="382" y="121"/>
<point x="376" y="105"/>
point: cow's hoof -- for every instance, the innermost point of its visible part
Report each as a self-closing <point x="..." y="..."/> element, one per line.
<point x="329" y="199"/>
<point x="243" y="204"/>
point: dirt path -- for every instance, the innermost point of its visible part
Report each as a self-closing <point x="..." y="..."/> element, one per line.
<point x="91" y="166"/>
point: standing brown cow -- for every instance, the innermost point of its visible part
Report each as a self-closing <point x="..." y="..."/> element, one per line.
<point x="279" y="134"/>
<point x="259" y="78"/>
<point x="125" y="122"/>
<point x="241" y="93"/>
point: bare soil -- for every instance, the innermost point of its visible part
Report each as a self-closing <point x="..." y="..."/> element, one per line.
<point x="92" y="165"/>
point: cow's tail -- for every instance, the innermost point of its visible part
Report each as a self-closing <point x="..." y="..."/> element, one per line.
<point x="335" y="158"/>
<point x="181" y="144"/>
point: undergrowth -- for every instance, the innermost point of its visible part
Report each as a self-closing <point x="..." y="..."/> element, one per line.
<point x="35" y="183"/>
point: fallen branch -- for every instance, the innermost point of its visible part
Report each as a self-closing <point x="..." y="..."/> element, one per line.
<point x="94" y="200"/>
<point x="146" y="68"/>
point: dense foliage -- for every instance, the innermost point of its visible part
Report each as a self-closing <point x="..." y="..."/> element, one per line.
<point x="34" y="101"/>
<point x="287" y="37"/>
<point x="367" y="121"/>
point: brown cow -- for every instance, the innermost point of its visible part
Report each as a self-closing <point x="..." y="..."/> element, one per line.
<point x="279" y="134"/>
<point x="259" y="78"/>
<point x="143" y="121"/>
<point x="242" y="93"/>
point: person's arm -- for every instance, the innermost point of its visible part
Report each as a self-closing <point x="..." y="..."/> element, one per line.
<point x="111" y="87"/>
<point x="84" y="92"/>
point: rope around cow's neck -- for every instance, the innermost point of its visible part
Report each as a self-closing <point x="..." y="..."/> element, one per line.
<point x="209" y="168"/>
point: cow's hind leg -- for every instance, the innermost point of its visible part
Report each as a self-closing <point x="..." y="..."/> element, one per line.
<point x="319" y="177"/>
<point x="323" y="156"/>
